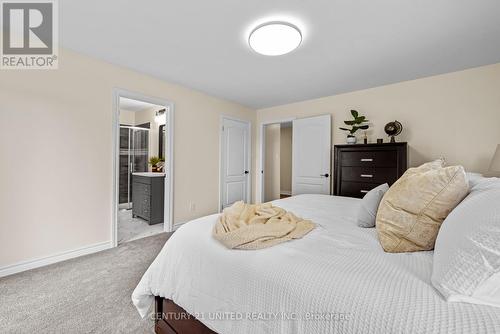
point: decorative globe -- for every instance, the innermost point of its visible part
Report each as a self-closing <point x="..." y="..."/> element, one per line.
<point x="393" y="129"/>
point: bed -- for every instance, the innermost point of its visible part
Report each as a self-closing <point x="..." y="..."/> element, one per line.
<point x="336" y="279"/>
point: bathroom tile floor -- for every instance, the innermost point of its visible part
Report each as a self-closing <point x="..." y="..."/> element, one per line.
<point x="134" y="228"/>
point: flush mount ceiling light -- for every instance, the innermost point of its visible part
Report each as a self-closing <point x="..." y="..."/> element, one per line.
<point x="275" y="38"/>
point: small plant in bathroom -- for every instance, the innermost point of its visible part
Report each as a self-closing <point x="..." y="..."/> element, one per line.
<point x="358" y="122"/>
<point x="153" y="161"/>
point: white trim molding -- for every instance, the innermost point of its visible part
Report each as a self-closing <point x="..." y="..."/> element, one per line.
<point x="62" y="256"/>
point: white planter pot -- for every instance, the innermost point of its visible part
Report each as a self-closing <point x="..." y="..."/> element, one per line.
<point x="351" y="140"/>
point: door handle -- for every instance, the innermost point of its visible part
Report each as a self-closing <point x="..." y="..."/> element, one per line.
<point x="367" y="175"/>
<point x="246" y="172"/>
<point x="325" y="175"/>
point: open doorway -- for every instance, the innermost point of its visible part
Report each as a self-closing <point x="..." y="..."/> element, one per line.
<point x="295" y="157"/>
<point x="277" y="161"/>
<point x="143" y="161"/>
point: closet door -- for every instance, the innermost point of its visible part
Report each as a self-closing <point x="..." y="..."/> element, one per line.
<point x="311" y="155"/>
<point x="235" y="164"/>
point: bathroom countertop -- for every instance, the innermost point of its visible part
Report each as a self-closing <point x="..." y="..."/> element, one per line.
<point x="150" y="174"/>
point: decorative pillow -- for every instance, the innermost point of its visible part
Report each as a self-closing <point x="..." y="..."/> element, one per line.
<point x="369" y="206"/>
<point x="436" y="164"/>
<point x="466" y="264"/>
<point x="413" y="209"/>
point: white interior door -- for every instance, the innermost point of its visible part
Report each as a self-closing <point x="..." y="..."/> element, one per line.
<point x="311" y="155"/>
<point x="235" y="164"/>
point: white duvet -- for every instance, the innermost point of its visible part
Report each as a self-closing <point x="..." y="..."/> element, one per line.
<point x="337" y="279"/>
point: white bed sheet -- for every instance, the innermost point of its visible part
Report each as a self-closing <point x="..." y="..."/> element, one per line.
<point x="337" y="279"/>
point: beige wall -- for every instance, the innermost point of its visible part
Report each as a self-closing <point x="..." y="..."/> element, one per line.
<point x="455" y="115"/>
<point x="127" y="117"/>
<point x="56" y="149"/>
<point x="286" y="159"/>
<point x="272" y="162"/>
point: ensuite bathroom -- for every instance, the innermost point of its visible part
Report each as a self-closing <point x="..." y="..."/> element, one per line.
<point x="142" y="168"/>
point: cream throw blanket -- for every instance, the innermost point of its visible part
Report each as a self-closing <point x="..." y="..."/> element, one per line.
<point x="256" y="226"/>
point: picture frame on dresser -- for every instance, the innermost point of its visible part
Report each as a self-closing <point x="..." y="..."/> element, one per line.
<point x="360" y="168"/>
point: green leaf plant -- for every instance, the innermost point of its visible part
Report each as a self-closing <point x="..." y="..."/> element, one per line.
<point x="154" y="160"/>
<point x="357" y="123"/>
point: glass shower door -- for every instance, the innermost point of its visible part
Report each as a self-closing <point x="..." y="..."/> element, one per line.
<point x="134" y="154"/>
<point x="140" y="151"/>
<point x="124" y="165"/>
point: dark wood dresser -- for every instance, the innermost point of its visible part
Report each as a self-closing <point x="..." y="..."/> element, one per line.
<point x="360" y="168"/>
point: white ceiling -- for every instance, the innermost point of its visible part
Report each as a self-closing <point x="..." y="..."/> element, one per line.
<point x="348" y="45"/>
<point x="136" y="105"/>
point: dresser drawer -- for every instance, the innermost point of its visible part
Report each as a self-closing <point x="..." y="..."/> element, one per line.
<point x="141" y="179"/>
<point x="378" y="175"/>
<point x="356" y="189"/>
<point x="141" y="188"/>
<point x="370" y="158"/>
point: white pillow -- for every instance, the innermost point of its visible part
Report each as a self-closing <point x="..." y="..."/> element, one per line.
<point x="369" y="206"/>
<point x="474" y="178"/>
<point x="466" y="264"/>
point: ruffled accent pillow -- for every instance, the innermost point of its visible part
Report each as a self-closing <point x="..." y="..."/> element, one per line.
<point x="413" y="209"/>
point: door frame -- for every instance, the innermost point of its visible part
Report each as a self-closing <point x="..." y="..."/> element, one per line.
<point x="168" y="224"/>
<point x="262" y="142"/>
<point x="248" y="158"/>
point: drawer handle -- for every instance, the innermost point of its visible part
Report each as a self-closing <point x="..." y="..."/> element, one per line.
<point x="364" y="191"/>
<point x="367" y="159"/>
<point x="367" y="175"/>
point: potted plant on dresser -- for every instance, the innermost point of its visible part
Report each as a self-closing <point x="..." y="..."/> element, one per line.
<point x="357" y="123"/>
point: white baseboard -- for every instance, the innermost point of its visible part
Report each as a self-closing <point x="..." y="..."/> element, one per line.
<point x="44" y="261"/>
<point x="285" y="192"/>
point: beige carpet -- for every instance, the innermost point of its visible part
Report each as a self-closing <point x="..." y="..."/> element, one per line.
<point x="89" y="294"/>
